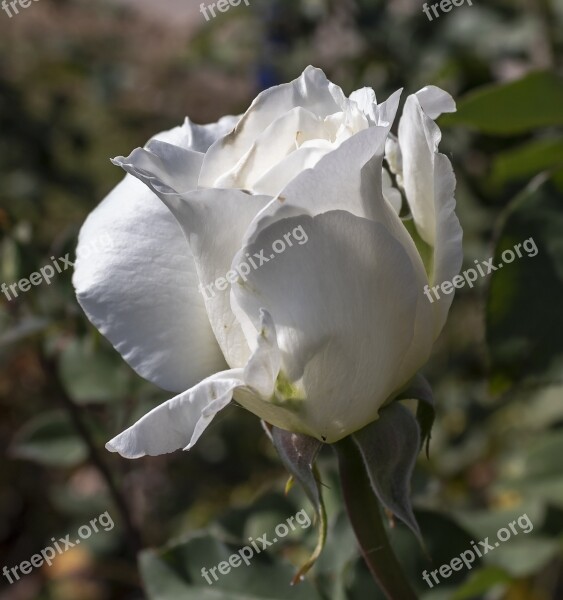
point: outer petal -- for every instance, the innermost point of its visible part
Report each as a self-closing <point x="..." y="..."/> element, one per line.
<point x="180" y="422"/>
<point x="435" y="101"/>
<point x="145" y="300"/>
<point x="429" y="184"/>
<point x="312" y="91"/>
<point x="198" y="138"/>
<point x="214" y="222"/>
<point x="382" y="212"/>
<point x="351" y="178"/>
<point x="344" y="308"/>
<point x="141" y="291"/>
<point x="171" y="162"/>
<point x="419" y="137"/>
<point x="164" y="168"/>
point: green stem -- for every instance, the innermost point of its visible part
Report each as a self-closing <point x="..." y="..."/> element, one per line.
<point x="365" y="516"/>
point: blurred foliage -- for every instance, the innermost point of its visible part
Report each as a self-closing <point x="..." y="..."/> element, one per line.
<point x="83" y="81"/>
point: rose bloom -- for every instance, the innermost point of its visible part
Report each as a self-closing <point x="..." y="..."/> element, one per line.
<point x="313" y="339"/>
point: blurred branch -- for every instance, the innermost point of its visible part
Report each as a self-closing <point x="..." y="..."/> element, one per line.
<point x="542" y="52"/>
<point x="132" y="535"/>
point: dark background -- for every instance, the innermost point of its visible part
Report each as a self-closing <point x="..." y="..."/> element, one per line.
<point x="81" y="82"/>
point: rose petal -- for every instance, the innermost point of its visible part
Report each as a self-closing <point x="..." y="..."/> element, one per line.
<point x="391" y="193"/>
<point x="312" y="91"/>
<point x="214" y="222"/>
<point x="171" y="162"/>
<point x="334" y="183"/>
<point x="274" y="144"/>
<point x="201" y="137"/>
<point x="429" y="184"/>
<point x="164" y="168"/>
<point x="340" y="337"/>
<point x="180" y="422"/>
<point x="141" y="291"/>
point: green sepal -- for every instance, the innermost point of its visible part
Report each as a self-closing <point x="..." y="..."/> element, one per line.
<point x="389" y="448"/>
<point x="419" y="389"/>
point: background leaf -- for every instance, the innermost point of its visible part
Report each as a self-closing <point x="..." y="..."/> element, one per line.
<point x="512" y="108"/>
<point x="175" y="573"/>
<point x="91" y="373"/>
<point x="49" y="439"/>
<point x="523" y="162"/>
<point x="520" y="323"/>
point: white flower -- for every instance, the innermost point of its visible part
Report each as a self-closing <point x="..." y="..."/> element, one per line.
<point x="315" y="341"/>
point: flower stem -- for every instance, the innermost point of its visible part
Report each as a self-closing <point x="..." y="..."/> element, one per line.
<point x="365" y="516"/>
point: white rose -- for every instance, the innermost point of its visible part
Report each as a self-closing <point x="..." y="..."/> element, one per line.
<point x="316" y="339"/>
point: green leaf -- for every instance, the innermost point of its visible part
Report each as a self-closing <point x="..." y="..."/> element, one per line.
<point x="89" y="375"/>
<point x="262" y="515"/>
<point x="543" y="458"/>
<point x="480" y="582"/>
<point x="24" y="329"/>
<point x="49" y="440"/>
<point x="298" y="453"/>
<point x="520" y="321"/>
<point x="389" y="447"/>
<point x="522" y="557"/>
<point x="549" y="490"/>
<point x="487" y="522"/>
<point x="511" y="108"/>
<point x="526" y="161"/>
<point x="536" y="474"/>
<point x="176" y="572"/>
<point x="441" y="593"/>
<point x="520" y="551"/>
<point x="10" y="260"/>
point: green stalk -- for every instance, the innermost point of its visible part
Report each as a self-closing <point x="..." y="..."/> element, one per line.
<point x="365" y="516"/>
